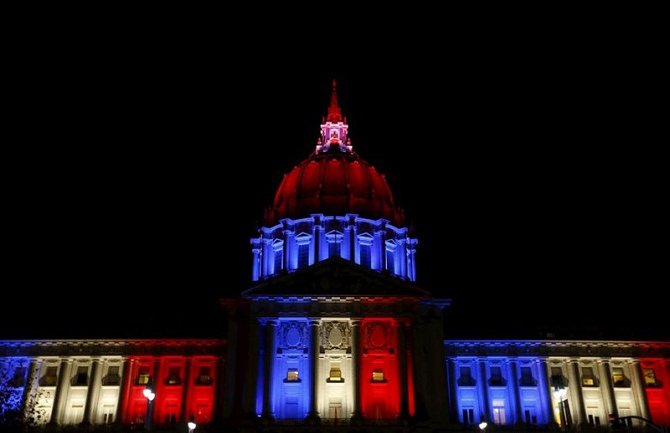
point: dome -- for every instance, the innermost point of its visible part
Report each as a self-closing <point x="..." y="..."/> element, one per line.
<point x="334" y="182"/>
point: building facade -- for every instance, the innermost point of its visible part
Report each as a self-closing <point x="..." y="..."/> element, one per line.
<point x="335" y="330"/>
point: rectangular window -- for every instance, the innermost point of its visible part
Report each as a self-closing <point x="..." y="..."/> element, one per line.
<point x="527" y="377"/>
<point x="365" y="255"/>
<point x="112" y="378"/>
<point x="50" y="377"/>
<point x="587" y="377"/>
<point x="468" y="416"/>
<point x="279" y="255"/>
<point x="292" y="375"/>
<point x="108" y="414"/>
<point x="378" y="375"/>
<point x="496" y="377"/>
<point x="390" y="263"/>
<point x="557" y="380"/>
<point x="205" y="376"/>
<point x="618" y="378"/>
<point x="303" y="256"/>
<point x="81" y="379"/>
<point x="465" y="379"/>
<point x="173" y="376"/>
<point x="499" y="411"/>
<point x="649" y="377"/>
<point x="143" y="376"/>
<point x="335" y="375"/>
<point x="334" y="247"/>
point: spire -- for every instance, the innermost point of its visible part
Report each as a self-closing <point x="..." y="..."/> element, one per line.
<point x="334" y="132"/>
<point x="334" y="111"/>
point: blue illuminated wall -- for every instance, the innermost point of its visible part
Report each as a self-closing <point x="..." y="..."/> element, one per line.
<point x="296" y="244"/>
<point x="290" y="395"/>
<point x="501" y="390"/>
<point x="13" y="378"/>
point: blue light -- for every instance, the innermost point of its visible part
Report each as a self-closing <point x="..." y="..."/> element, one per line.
<point x="487" y="389"/>
<point x="291" y="369"/>
<point x="13" y="377"/>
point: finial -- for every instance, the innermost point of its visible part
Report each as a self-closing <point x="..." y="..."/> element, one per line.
<point x="334" y="111"/>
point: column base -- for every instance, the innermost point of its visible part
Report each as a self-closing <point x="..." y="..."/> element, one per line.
<point x="313" y="418"/>
<point x="267" y="418"/>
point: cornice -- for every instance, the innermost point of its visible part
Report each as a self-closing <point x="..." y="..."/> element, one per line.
<point x="583" y="348"/>
<point x="111" y="347"/>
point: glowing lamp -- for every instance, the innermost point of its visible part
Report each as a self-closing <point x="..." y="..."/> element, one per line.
<point x="483" y="425"/>
<point x="149" y="394"/>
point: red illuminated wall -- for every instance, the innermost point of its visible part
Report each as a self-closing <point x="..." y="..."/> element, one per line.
<point x="658" y="398"/>
<point x="200" y="395"/>
<point x="379" y="350"/>
<point x="134" y="405"/>
<point x="191" y="395"/>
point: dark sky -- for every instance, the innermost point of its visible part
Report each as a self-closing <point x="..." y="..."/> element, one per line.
<point x="138" y="180"/>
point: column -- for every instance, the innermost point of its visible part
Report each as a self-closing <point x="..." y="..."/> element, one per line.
<point x="124" y="390"/>
<point x="351" y="229"/>
<point x="186" y="392"/>
<point x="379" y="250"/>
<point x="64" y="373"/>
<point x="254" y="349"/>
<point x="401" y="251"/>
<point x="638" y="388"/>
<point x="316" y="238"/>
<point x="606" y="387"/>
<point x="402" y="367"/>
<point x="268" y="367"/>
<point x="255" y="259"/>
<point x="289" y="263"/>
<point x="220" y="383"/>
<point x="267" y="258"/>
<point x="452" y="382"/>
<point x="356" y="367"/>
<point x="313" y="365"/>
<point x="514" y="375"/>
<point x="545" y="390"/>
<point x="484" y="407"/>
<point x="411" y="253"/>
<point x="93" y="393"/>
<point x="576" y="391"/>
<point x="31" y="385"/>
<point x="231" y="394"/>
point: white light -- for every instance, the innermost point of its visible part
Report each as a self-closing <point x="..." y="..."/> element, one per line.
<point x="191" y="425"/>
<point x="149" y="394"/>
<point x="560" y="394"/>
<point x="482" y="425"/>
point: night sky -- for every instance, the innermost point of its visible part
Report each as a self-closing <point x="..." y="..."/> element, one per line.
<point x="139" y="179"/>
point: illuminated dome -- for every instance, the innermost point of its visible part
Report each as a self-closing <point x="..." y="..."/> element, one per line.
<point x="334" y="180"/>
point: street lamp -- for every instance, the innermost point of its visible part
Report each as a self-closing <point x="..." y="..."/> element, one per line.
<point x="559" y="394"/>
<point x="149" y="394"/>
<point x="191" y="425"/>
<point x="483" y="425"/>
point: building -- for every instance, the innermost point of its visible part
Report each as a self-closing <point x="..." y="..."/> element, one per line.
<point x="334" y="330"/>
